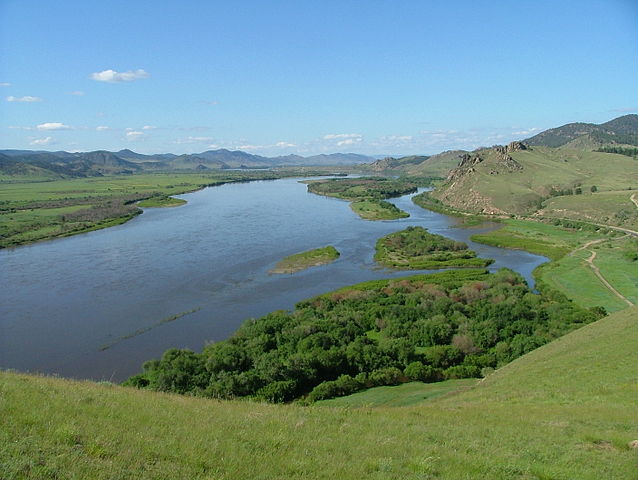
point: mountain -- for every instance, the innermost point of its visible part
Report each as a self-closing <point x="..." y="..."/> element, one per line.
<point x="622" y="130"/>
<point x="419" y="165"/>
<point x="85" y="164"/>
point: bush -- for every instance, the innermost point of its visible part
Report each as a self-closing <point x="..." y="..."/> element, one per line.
<point x="422" y="373"/>
<point x="278" y="392"/>
<point x="385" y="376"/>
<point x="344" y="385"/>
<point x="462" y="371"/>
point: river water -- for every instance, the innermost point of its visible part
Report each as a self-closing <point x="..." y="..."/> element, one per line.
<point x="63" y="301"/>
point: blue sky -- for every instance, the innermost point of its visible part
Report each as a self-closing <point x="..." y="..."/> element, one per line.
<point x="307" y="77"/>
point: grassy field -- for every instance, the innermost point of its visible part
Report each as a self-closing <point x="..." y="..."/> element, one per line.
<point x="564" y="411"/>
<point x="609" y="208"/>
<point x="540" y="238"/>
<point x="311" y="258"/>
<point x="570" y="274"/>
<point x="412" y="393"/>
<point x="377" y="210"/>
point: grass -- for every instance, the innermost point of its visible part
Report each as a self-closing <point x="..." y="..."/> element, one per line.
<point x="377" y="210"/>
<point x="609" y="208"/>
<point x="412" y="393"/>
<point x="493" y="188"/>
<point x="570" y="274"/>
<point x="566" y="410"/>
<point x="311" y="258"/>
<point x="550" y="241"/>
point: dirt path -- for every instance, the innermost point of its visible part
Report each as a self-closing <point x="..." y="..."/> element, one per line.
<point x="596" y="271"/>
<point x="633" y="199"/>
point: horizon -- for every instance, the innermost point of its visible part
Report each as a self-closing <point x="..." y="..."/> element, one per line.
<point x="306" y="79"/>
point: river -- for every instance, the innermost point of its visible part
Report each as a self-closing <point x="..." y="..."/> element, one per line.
<point x="62" y="302"/>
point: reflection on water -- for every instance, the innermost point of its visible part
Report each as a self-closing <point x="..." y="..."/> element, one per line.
<point x="61" y="301"/>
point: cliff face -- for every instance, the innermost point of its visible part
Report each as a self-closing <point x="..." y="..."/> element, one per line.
<point x="462" y="188"/>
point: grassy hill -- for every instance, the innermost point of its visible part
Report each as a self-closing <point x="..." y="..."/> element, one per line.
<point x="522" y="181"/>
<point x="566" y="410"/>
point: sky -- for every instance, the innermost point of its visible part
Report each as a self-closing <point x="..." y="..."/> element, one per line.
<point x="306" y="77"/>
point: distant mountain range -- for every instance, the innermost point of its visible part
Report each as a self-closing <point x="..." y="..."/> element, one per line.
<point x="87" y="164"/>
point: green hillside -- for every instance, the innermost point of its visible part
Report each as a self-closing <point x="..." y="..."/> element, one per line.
<point x="521" y="181"/>
<point x="564" y="411"/>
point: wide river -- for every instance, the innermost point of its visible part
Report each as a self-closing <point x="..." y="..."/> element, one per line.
<point x="63" y="301"/>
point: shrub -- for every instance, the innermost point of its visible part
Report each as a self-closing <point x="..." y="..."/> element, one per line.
<point x="422" y="373"/>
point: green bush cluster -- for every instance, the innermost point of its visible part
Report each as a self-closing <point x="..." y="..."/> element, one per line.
<point x="430" y="327"/>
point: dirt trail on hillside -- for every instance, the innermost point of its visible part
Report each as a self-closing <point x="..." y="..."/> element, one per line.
<point x="633" y="199"/>
<point x="596" y="271"/>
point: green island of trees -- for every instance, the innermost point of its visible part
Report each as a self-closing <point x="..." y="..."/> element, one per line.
<point x="311" y="258"/>
<point x="417" y="249"/>
<point x="367" y="194"/>
<point x="377" y="210"/>
<point x="448" y="325"/>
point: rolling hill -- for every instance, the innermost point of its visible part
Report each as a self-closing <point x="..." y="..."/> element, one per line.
<point x="621" y="130"/>
<point x="531" y="178"/>
<point x="565" y="410"/>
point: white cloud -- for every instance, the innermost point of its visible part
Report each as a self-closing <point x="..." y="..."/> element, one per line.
<point x="148" y="127"/>
<point x="349" y="141"/>
<point x="528" y="131"/>
<point x="102" y="128"/>
<point x="77" y="93"/>
<point x="248" y="147"/>
<point x="53" y="126"/>
<point x="26" y="98"/>
<point x="284" y="144"/>
<point x="336" y="136"/>
<point x="42" y="141"/>
<point x="111" y="76"/>
<point x="212" y="146"/>
<point x="212" y="103"/>
<point x="5" y="84"/>
<point x="134" y="135"/>
<point x="194" y="140"/>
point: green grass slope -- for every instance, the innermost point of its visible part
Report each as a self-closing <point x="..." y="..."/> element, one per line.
<point x="564" y="411"/>
<point x="493" y="185"/>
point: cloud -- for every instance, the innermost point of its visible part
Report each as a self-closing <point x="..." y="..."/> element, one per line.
<point x="194" y="140"/>
<point x="336" y="136"/>
<point x="284" y="145"/>
<point x="42" y="141"/>
<point x="102" y="128"/>
<point x="26" y="98"/>
<point x="528" y="131"/>
<point x="134" y="135"/>
<point x="212" y="103"/>
<point x="148" y="127"/>
<point x="111" y="76"/>
<point x="53" y="126"/>
<point x="349" y="141"/>
<point x="5" y="84"/>
<point x="77" y="93"/>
